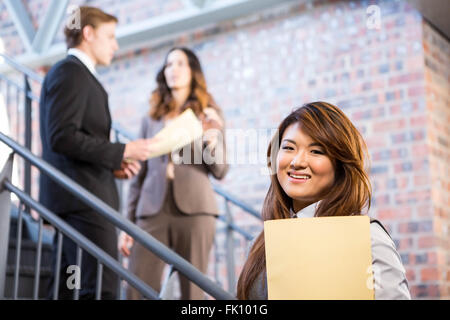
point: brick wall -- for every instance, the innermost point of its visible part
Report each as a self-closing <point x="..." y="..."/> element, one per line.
<point x="392" y="82"/>
<point x="437" y="89"/>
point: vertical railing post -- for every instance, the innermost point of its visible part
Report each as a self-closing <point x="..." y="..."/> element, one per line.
<point x="217" y="261"/>
<point x="37" y="267"/>
<point x="5" y="212"/>
<point x="230" y="249"/>
<point x="18" y="252"/>
<point x="28" y="137"/>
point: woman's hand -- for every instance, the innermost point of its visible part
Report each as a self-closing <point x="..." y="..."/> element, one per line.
<point x="125" y="243"/>
<point x="212" y="127"/>
<point x="211" y="120"/>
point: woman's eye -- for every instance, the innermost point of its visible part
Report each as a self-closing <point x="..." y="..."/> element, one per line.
<point x="287" y="148"/>
<point x="317" y="152"/>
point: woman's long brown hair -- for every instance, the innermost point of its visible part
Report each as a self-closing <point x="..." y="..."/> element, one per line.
<point x="161" y="100"/>
<point x="350" y="193"/>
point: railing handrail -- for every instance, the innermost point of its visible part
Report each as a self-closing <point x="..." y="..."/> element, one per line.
<point x="237" y="202"/>
<point x="148" y="241"/>
<point x="83" y="242"/>
<point x="22" y="69"/>
<point x="29" y="94"/>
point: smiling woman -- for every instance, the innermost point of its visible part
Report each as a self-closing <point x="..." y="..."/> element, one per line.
<point x="317" y="163"/>
<point x="303" y="169"/>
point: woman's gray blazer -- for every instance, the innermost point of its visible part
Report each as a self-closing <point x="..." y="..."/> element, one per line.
<point x="192" y="189"/>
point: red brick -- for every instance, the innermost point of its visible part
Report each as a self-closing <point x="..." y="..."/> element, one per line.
<point x="420" y="150"/>
<point x="395" y="109"/>
<point x="429" y="274"/>
<point x="402" y="182"/>
<point x="389" y="125"/>
<point x="386" y="214"/>
<point x="377" y="141"/>
<point x="406" y="78"/>
<point x="426" y="242"/>
<point x="434" y="291"/>
<point x="418" y="291"/>
<point x="421" y="180"/>
<point x="403" y="212"/>
<point x="418" y="121"/>
<point x="405" y="244"/>
<point x="432" y="258"/>
<point x="416" y="91"/>
<point x="403" y="228"/>
<point x="410" y="274"/>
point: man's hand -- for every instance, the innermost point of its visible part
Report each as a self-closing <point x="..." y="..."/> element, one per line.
<point x="139" y="149"/>
<point x="128" y="169"/>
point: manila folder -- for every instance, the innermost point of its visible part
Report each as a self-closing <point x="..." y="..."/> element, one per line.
<point x="320" y="258"/>
<point x="180" y="132"/>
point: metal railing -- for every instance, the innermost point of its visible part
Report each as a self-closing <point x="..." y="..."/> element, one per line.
<point x="119" y="133"/>
<point x="28" y="98"/>
<point x="170" y="257"/>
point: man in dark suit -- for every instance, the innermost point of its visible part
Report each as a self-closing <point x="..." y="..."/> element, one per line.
<point x="75" y="131"/>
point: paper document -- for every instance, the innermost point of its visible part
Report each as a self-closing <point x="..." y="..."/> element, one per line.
<point x="181" y="131"/>
<point x="319" y="258"/>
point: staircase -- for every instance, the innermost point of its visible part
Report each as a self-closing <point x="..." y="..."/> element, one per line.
<point x="28" y="255"/>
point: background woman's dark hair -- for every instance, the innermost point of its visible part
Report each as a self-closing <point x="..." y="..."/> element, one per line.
<point x="350" y="193"/>
<point x="161" y="100"/>
<point x="86" y="16"/>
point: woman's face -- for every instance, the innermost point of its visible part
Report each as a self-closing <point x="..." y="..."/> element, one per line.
<point x="177" y="71"/>
<point x="304" y="171"/>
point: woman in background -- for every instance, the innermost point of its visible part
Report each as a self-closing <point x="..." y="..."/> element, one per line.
<point x="172" y="201"/>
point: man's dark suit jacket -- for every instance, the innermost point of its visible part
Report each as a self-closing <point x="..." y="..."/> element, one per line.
<point x="75" y="131"/>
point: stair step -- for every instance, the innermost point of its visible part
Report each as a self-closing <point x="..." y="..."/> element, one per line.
<point x="27" y="269"/>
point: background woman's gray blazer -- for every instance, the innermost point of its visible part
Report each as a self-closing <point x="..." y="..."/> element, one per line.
<point x="192" y="189"/>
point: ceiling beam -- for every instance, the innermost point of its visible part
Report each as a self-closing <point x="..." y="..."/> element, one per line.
<point x="199" y="3"/>
<point x="50" y="24"/>
<point x="189" y="19"/>
<point x="22" y="21"/>
<point x="161" y="27"/>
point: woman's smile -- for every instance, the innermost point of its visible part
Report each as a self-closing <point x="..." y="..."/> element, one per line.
<point x="304" y="170"/>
